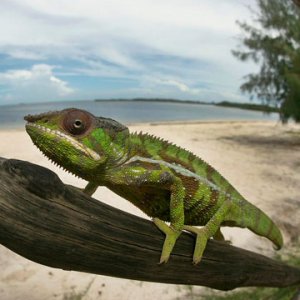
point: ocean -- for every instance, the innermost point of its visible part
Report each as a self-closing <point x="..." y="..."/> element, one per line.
<point x="11" y="116"/>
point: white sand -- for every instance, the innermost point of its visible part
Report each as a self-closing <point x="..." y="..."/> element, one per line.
<point x="261" y="159"/>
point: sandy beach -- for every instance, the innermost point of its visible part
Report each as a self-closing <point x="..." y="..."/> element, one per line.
<point x="261" y="159"/>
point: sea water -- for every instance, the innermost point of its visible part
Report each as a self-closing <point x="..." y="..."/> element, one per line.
<point x="11" y="116"/>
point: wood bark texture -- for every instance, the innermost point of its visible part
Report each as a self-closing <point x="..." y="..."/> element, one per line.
<point x="59" y="226"/>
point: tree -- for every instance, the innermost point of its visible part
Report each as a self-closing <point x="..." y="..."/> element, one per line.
<point x="274" y="43"/>
<point x="291" y="106"/>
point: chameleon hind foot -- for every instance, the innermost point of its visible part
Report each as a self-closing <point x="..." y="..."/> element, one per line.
<point x="170" y="240"/>
<point x="209" y="230"/>
<point x="202" y="236"/>
<point x="201" y="241"/>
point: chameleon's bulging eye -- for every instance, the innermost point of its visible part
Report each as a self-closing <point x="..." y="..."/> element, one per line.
<point x="77" y="122"/>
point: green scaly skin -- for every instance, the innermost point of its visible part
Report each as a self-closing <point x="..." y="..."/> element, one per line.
<point x="165" y="181"/>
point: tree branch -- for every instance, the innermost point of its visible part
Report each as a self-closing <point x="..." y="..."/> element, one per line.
<point x="57" y="225"/>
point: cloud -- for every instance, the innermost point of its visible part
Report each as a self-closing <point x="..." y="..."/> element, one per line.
<point x="116" y="30"/>
<point x="37" y="83"/>
<point x="182" y="87"/>
<point x="182" y="42"/>
<point x="25" y="54"/>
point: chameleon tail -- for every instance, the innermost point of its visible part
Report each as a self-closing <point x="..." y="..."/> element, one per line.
<point x="257" y="221"/>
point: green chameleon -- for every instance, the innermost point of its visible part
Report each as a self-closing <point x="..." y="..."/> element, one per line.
<point x="168" y="183"/>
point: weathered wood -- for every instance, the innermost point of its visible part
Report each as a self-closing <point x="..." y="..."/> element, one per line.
<point x="297" y="2"/>
<point x="57" y="225"/>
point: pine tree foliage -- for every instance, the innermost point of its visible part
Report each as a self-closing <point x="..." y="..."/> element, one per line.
<point x="274" y="43"/>
<point x="291" y="106"/>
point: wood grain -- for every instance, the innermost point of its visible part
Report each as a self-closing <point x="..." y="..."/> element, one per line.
<point x="57" y="225"/>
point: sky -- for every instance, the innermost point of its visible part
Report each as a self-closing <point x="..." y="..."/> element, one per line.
<point x="87" y="49"/>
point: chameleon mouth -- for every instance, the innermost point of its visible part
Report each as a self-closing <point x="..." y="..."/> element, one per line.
<point x="62" y="136"/>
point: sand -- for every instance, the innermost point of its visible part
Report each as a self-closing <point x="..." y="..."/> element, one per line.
<point x="261" y="159"/>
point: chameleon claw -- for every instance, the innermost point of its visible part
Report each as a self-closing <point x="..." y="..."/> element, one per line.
<point x="201" y="242"/>
<point x="164" y="259"/>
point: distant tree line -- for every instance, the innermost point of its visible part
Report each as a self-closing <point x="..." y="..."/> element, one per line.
<point x="274" y="43"/>
<point x="249" y="106"/>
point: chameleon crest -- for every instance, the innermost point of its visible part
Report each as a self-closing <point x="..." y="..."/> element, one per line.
<point x="167" y="182"/>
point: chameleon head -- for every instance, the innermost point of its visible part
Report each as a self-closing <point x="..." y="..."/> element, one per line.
<point x="78" y="141"/>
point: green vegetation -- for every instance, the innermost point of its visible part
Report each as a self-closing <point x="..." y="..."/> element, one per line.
<point x="164" y="100"/>
<point x="274" y="43"/>
<point x="291" y="107"/>
<point x="249" y="106"/>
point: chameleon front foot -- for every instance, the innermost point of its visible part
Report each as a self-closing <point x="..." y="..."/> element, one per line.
<point x="170" y="240"/>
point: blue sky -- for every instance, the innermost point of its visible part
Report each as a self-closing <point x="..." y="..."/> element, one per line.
<point x="86" y="49"/>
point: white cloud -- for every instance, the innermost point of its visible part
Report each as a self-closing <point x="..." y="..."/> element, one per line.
<point x="25" y="54"/>
<point x="112" y="29"/>
<point x="182" y="87"/>
<point x="37" y="84"/>
<point x="128" y="39"/>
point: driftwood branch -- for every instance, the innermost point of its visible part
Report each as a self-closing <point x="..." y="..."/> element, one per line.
<point x="297" y="2"/>
<point x="57" y="225"/>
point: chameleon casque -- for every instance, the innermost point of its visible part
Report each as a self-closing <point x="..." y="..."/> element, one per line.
<point x="168" y="183"/>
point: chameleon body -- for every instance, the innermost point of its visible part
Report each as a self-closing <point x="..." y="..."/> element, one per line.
<point x="167" y="182"/>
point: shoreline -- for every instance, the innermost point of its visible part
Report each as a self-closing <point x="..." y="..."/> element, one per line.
<point x="175" y="122"/>
<point x="195" y="122"/>
<point x="223" y="103"/>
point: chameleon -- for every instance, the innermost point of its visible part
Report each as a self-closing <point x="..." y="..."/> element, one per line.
<point x="176" y="188"/>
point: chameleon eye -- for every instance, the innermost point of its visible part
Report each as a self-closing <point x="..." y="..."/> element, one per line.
<point x="77" y="122"/>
